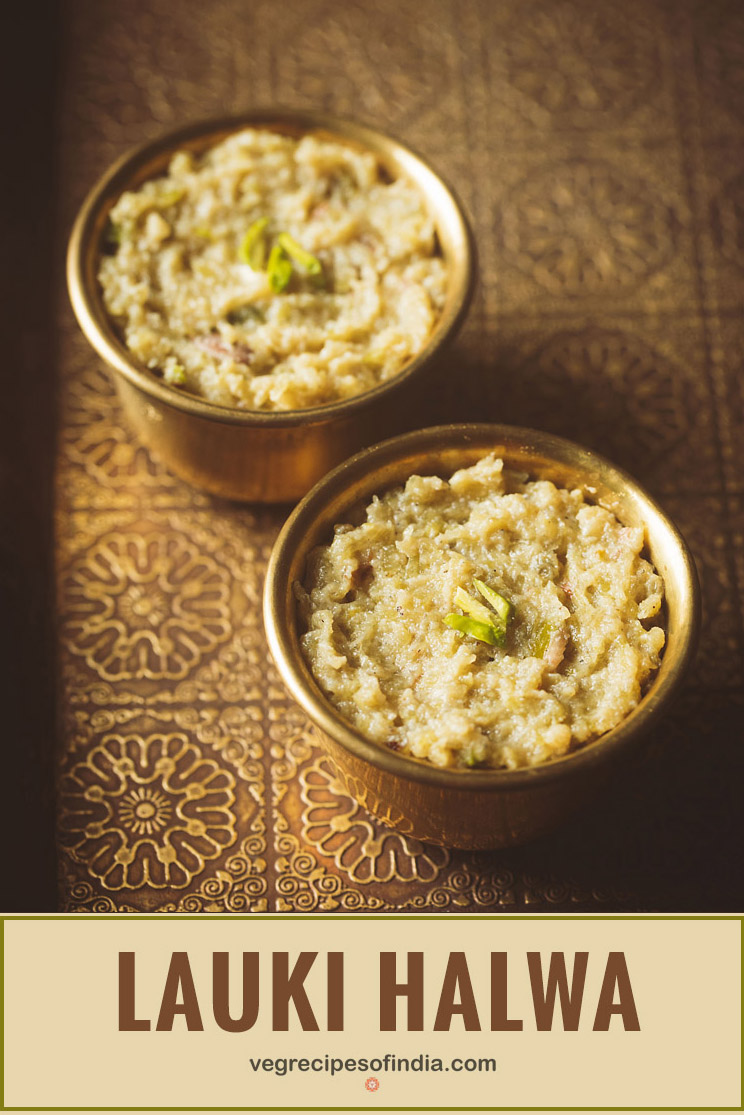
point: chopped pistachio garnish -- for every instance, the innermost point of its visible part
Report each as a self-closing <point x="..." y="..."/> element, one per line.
<point x="307" y="262"/>
<point x="203" y="231"/>
<point x="243" y="314"/>
<point x="111" y="237"/>
<point x="541" y="639"/>
<point x="499" y="603"/>
<point x="279" y="269"/>
<point x="489" y="626"/>
<point x="466" y="625"/>
<point x="252" y="248"/>
<point x="170" y="197"/>
<point x="176" y="375"/>
<point x="473" y="607"/>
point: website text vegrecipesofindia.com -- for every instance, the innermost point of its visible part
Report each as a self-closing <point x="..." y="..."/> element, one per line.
<point x="422" y="1062"/>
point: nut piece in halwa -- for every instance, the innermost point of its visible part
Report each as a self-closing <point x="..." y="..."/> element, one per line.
<point x="273" y="273"/>
<point x="485" y="621"/>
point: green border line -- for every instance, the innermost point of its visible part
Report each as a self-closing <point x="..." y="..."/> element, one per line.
<point x="2" y="1013"/>
<point x="387" y="916"/>
<point x="369" y="917"/>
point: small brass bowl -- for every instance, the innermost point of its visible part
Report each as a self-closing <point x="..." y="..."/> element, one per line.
<point x="479" y="808"/>
<point x="266" y="456"/>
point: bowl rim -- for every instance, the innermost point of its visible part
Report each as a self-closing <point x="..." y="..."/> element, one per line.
<point x="100" y="333"/>
<point x="304" y="689"/>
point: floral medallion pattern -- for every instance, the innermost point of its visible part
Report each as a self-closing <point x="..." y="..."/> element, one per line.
<point x="380" y="81"/>
<point x="104" y="464"/>
<point x="95" y="437"/>
<point x="366" y="850"/>
<point x="576" y="62"/>
<point x="616" y="393"/>
<point x="108" y="454"/>
<point x="145" y="606"/>
<point x="144" y="812"/>
<point x="586" y="228"/>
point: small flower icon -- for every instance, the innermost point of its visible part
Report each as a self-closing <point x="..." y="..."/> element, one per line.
<point x="371" y="1083"/>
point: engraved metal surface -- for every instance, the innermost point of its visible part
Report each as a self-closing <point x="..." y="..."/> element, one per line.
<point x="597" y="148"/>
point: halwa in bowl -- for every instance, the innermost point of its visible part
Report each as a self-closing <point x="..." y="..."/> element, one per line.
<point x="398" y="576"/>
<point x="267" y="289"/>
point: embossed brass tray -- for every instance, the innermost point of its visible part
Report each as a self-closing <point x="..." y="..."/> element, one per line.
<point x="255" y="455"/>
<point x="606" y="185"/>
<point x="476" y="809"/>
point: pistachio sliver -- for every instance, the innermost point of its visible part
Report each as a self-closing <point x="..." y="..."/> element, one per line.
<point x="112" y="236"/>
<point x="240" y="315"/>
<point x="549" y="643"/>
<point x="252" y="248"/>
<point x="279" y="269"/>
<point x="473" y="607"/>
<point x="307" y="262"/>
<point x="541" y="639"/>
<point x="483" y="632"/>
<point x="499" y="603"/>
<point x="177" y="375"/>
<point x="169" y="197"/>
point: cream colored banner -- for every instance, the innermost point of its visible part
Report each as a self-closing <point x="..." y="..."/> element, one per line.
<point x="64" y="1047"/>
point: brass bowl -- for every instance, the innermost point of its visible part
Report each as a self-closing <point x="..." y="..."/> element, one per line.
<point x="268" y="456"/>
<point x="475" y="809"/>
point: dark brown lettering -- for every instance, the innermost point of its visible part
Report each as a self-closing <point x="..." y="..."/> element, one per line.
<point x="335" y="991"/>
<point x="457" y="979"/>
<point x="221" y="992"/>
<point x="127" y="1020"/>
<point x="616" y="975"/>
<point x="499" y="1009"/>
<point x="413" y="991"/>
<point x="290" y="988"/>
<point x="179" y="979"/>
<point x="544" y="999"/>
